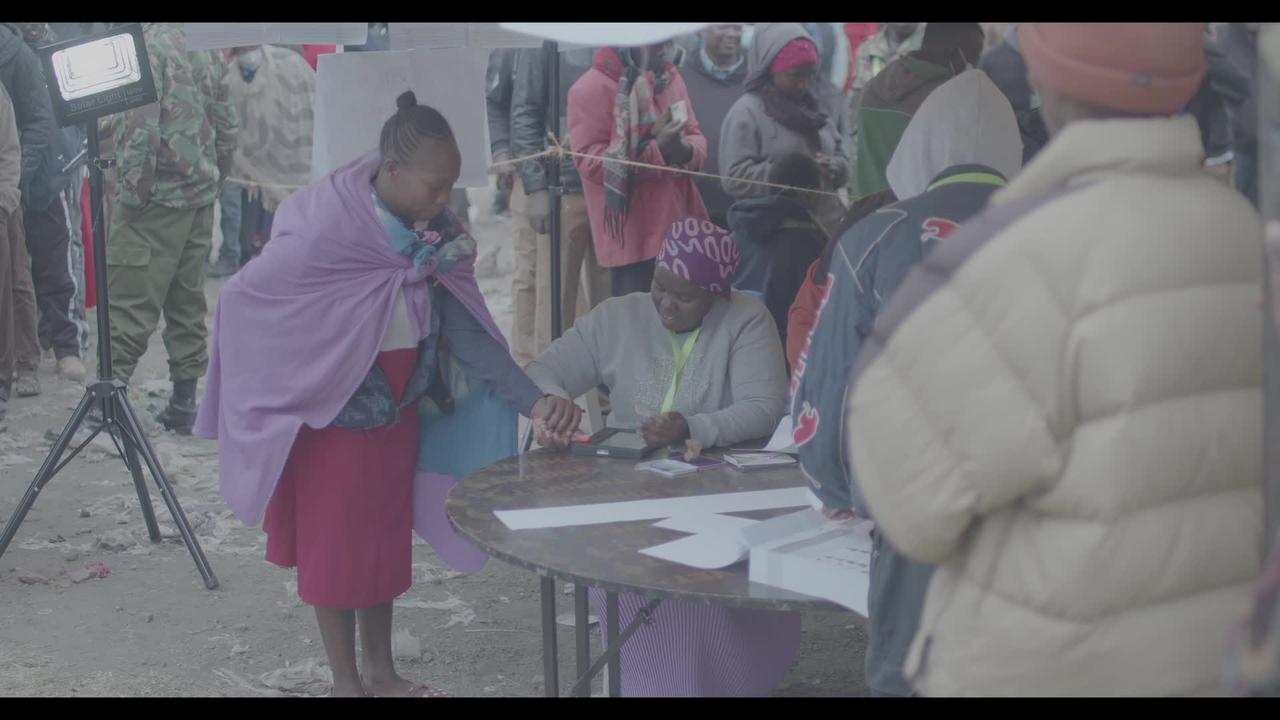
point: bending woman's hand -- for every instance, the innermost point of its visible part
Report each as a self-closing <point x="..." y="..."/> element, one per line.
<point x="663" y="430"/>
<point x="560" y="415"/>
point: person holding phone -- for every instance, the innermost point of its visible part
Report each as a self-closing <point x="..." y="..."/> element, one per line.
<point x="621" y="119"/>
<point x="691" y="360"/>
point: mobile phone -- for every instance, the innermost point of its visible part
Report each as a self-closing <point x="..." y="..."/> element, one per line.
<point x="680" y="112"/>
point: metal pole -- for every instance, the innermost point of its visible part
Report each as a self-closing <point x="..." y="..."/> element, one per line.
<point x="99" y="234"/>
<point x="552" y="52"/>
<point x="550" y="659"/>
<point x="582" y="634"/>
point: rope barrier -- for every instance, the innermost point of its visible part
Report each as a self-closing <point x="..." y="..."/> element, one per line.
<point x="560" y="152"/>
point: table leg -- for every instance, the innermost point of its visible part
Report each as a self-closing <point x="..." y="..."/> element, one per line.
<point x="550" y="660"/>
<point x="582" y="633"/>
<point x="583" y="685"/>
<point x="611" y="642"/>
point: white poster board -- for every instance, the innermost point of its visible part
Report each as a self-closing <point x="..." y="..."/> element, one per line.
<point x="356" y="93"/>
<point x="213" y="36"/>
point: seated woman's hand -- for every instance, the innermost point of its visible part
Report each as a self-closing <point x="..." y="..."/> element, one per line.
<point x="663" y="430"/>
<point x="561" y="416"/>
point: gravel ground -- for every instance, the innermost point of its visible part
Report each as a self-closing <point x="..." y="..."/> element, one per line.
<point x="90" y="607"/>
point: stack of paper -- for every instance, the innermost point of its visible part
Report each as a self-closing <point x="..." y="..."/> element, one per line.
<point x="826" y="559"/>
<point x="759" y="461"/>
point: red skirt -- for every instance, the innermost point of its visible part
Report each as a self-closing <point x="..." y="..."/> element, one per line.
<point x="342" y="512"/>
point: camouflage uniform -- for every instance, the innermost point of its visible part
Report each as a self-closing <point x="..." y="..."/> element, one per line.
<point x="170" y="159"/>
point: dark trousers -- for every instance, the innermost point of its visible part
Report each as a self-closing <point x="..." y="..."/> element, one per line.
<point x="47" y="239"/>
<point x="627" y="279"/>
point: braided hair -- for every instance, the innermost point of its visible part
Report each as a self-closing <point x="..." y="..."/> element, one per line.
<point x="410" y="126"/>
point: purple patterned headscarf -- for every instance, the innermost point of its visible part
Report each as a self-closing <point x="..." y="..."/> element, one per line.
<point x="702" y="253"/>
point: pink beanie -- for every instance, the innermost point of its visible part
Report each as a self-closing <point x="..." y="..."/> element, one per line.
<point x="800" y="51"/>
<point x="1140" y="68"/>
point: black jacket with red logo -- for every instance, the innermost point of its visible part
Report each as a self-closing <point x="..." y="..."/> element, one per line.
<point x="869" y="262"/>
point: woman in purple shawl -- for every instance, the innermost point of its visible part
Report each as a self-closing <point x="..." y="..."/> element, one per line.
<point x="323" y="348"/>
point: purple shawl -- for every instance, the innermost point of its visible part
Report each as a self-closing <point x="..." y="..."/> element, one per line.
<point x="298" y="329"/>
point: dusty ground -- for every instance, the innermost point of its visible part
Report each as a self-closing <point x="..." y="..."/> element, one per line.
<point x="150" y="628"/>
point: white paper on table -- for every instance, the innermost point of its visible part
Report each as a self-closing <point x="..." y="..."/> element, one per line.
<point x="213" y="36"/>
<point x="356" y="93"/>
<point x="830" y="560"/>
<point x="600" y="513"/>
<point x="694" y="524"/>
<point x="783" y="438"/>
<point x="720" y="544"/>
<point x="707" y="551"/>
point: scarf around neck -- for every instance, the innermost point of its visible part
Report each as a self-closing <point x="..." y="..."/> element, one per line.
<point x="444" y="238"/>
<point x="804" y="116"/>
<point x="634" y="115"/>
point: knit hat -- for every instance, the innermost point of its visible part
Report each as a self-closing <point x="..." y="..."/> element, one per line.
<point x="702" y="253"/>
<point x="1139" y="68"/>
<point x="800" y="51"/>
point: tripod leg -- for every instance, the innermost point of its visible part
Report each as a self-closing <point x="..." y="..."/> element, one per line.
<point x="140" y="484"/>
<point x="134" y="428"/>
<point x="46" y="471"/>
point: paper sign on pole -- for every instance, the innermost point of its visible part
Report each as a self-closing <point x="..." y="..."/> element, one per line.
<point x="213" y="36"/>
<point x="356" y="93"/>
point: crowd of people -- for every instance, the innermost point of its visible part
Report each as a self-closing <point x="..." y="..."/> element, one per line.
<point x="989" y="273"/>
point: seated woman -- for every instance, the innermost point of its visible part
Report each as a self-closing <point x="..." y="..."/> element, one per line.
<point x="691" y="360"/>
<point x="323" y="348"/>
<point x="778" y="237"/>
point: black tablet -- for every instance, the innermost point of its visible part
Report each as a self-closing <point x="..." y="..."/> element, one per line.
<point x="614" y="443"/>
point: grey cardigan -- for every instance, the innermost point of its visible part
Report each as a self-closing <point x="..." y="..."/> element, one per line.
<point x="734" y="386"/>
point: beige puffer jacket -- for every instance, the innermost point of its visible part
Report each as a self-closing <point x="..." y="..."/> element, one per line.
<point x="1062" y="408"/>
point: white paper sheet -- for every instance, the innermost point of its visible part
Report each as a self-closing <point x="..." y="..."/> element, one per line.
<point x="600" y="513"/>
<point x="706" y="551"/>
<point x="783" y="440"/>
<point x="725" y="524"/>
<point x="356" y="93"/>
<point x="719" y="544"/>
<point x="212" y="36"/>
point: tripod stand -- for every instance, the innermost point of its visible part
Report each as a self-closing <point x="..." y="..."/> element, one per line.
<point x="111" y="397"/>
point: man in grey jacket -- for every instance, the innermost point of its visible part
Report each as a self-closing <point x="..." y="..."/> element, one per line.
<point x="531" y="209"/>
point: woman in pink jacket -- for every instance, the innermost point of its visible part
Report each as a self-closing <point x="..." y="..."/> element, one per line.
<point x="632" y="107"/>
